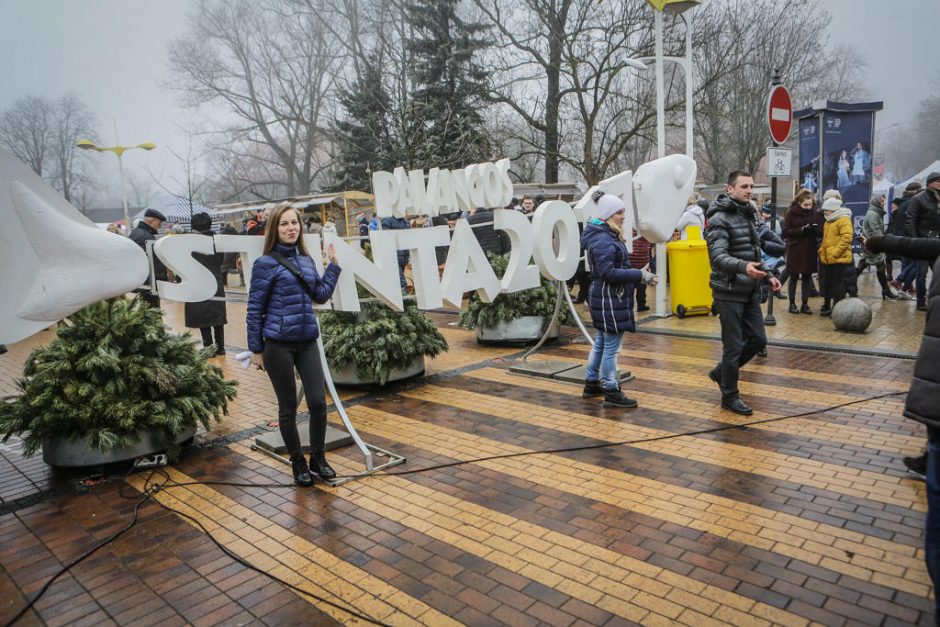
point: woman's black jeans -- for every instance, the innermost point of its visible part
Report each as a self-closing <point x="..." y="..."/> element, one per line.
<point x="280" y="360"/>
<point x="806" y="283"/>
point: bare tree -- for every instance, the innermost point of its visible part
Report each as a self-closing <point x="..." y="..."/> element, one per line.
<point x="42" y="133"/>
<point x="71" y="120"/>
<point x="758" y="37"/>
<point x="25" y="130"/>
<point x="915" y="145"/>
<point x="193" y="183"/>
<point x="561" y="70"/>
<point x="272" y="67"/>
<point x="141" y="188"/>
<point x="238" y="177"/>
<point x="528" y="66"/>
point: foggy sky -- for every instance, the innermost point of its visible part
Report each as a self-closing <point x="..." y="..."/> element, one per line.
<point x="113" y="53"/>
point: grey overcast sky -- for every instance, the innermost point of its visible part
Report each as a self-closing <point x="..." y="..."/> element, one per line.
<point x="113" y="53"/>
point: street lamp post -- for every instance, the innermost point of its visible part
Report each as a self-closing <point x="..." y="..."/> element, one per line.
<point x="678" y="7"/>
<point x="87" y="144"/>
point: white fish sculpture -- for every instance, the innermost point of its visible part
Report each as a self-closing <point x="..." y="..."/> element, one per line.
<point x="54" y="260"/>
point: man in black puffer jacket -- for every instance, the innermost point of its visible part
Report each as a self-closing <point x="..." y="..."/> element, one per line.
<point x="490" y="240"/>
<point x="923" y="220"/>
<point x="736" y="280"/>
<point x="923" y="399"/>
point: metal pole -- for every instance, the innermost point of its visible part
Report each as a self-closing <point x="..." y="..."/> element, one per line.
<point x="769" y="319"/>
<point x="661" y="263"/>
<point x="117" y="143"/>
<point x="689" y="135"/>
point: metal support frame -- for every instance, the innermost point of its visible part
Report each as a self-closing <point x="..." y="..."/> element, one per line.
<point x="367" y="450"/>
<point x="563" y="294"/>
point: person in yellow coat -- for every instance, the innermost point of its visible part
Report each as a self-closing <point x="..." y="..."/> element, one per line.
<point x="835" y="252"/>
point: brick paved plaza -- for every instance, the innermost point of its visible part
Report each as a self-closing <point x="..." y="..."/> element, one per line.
<point x="804" y="520"/>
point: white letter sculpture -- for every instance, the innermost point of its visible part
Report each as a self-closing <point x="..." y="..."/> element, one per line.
<point x="54" y="261"/>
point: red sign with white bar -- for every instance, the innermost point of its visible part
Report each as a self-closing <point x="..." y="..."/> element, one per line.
<point x="779" y="113"/>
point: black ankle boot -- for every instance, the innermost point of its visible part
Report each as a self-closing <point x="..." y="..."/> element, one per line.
<point x="805" y="309"/>
<point x="616" y="398"/>
<point x="592" y="389"/>
<point x="302" y="476"/>
<point x="793" y="308"/>
<point x="319" y="467"/>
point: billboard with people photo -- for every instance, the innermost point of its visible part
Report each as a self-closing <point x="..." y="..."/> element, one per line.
<point x="836" y="140"/>
<point x="809" y="154"/>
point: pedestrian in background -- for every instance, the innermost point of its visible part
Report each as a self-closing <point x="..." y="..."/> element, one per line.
<point x="391" y="224"/>
<point x="209" y="316"/>
<point x="693" y="215"/>
<point x="641" y="258"/>
<point x="906" y="279"/>
<point x="801" y="227"/>
<point x="146" y="231"/>
<point x="872" y="225"/>
<point x="923" y="220"/>
<point x="835" y="253"/>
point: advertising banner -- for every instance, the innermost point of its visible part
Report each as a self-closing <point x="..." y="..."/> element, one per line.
<point x="847" y="159"/>
<point x="809" y="154"/>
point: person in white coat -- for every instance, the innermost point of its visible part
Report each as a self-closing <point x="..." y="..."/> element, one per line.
<point x="694" y="215"/>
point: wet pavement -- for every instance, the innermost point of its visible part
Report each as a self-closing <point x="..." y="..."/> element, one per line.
<point x="669" y="513"/>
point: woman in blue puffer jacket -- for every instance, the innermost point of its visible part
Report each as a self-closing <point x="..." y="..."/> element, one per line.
<point x="282" y="334"/>
<point x="610" y="297"/>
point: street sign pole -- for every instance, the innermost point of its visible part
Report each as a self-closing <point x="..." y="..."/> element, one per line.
<point x="769" y="319"/>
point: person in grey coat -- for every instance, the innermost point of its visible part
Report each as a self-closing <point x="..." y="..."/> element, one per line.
<point x="872" y="225"/>
<point x="209" y="316"/>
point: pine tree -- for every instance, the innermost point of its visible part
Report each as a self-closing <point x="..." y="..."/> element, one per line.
<point x="449" y="85"/>
<point x="366" y="140"/>
<point x="113" y="371"/>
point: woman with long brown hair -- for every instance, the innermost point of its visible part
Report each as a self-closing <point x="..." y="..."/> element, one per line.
<point x="801" y="227"/>
<point x="283" y="332"/>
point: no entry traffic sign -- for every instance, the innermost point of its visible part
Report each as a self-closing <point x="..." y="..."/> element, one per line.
<point x="779" y="113"/>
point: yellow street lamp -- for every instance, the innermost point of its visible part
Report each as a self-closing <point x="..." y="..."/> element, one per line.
<point x="87" y="144"/>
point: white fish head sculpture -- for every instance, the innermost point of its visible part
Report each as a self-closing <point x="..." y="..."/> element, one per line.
<point x="661" y="191"/>
<point x="54" y="260"/>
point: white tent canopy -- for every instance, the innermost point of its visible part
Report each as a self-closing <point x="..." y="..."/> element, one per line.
<point x="176" y="209"/>
<point x="921" y="177"/>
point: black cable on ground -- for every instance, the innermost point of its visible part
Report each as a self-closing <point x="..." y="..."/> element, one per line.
<point x="150" y="489"/>
<point x="146" y="496"/>
<point x="569" y="449"/>
<point x="168" y="483"/>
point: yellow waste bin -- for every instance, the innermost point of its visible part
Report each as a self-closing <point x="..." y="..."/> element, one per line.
<point x="689" y="270"/>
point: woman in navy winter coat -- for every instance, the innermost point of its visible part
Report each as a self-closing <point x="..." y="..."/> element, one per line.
<point x="282" y="334"/>
<point x="610" y="297"/>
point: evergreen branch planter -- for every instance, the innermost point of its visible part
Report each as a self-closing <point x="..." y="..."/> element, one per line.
<point x="378" y="345"/>
<point x="114" y="379"/>
<point x="517" y="318"/>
